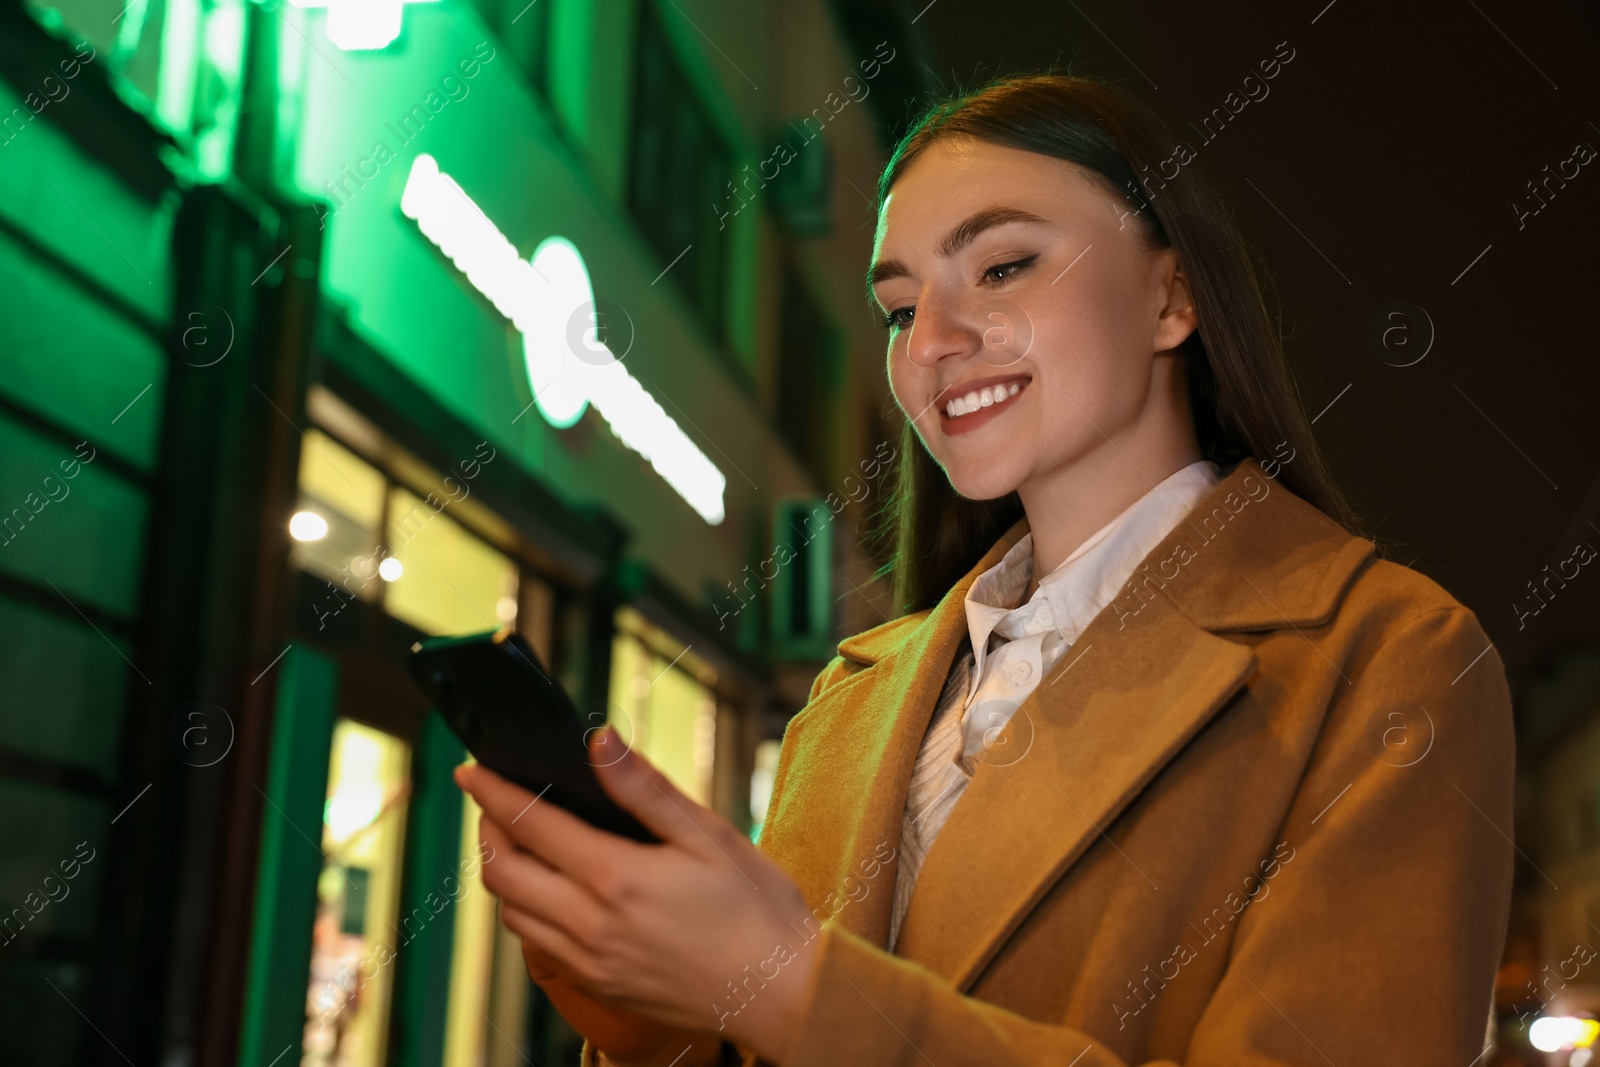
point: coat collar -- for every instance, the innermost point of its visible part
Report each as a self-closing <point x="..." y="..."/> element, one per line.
<point x="1149" y="672"/>
<point x="1287" y="566"/>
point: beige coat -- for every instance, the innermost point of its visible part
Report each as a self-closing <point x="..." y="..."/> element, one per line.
<point x="1258" y="814"/>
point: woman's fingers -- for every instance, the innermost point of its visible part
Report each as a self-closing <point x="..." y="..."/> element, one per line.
<point x="523" y="813"/>
<point x="552" y="946"/>
<point x="559" y="838"/>
<point x="648" y="928"/>
<point x="622" y="1032"/>
<point x="522" y="880"/>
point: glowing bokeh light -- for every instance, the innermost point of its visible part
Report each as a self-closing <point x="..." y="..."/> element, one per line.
<point x="1552" y="1033"/>
<point x="361" y="25"/>
<point x="307" y="526"/>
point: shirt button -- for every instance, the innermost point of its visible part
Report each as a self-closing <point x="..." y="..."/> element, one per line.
<point x="1045" y="616"/>
<point x="1021" y="672"/>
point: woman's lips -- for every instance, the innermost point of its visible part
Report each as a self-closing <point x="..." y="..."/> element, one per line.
<point x="1002" y="394"/>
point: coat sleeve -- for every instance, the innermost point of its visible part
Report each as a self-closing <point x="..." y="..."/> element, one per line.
<point x="1382" y="939"/>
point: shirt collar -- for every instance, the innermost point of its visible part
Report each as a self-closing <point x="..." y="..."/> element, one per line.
<point x="1070" y="596"/>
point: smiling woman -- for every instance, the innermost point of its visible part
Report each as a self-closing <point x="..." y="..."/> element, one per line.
<point x="1074" y="784"/>
<point x="1058" y="254"/>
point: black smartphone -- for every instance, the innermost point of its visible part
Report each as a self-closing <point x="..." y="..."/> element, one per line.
<point x="501" y="702"/>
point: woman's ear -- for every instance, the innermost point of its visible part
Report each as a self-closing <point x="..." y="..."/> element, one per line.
<point x="1178" y="318"/>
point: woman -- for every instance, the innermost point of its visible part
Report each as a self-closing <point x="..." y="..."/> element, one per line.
<point x="1232" y="789"/>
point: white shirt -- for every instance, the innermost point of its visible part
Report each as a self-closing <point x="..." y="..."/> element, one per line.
<point x="1016" y="646"/>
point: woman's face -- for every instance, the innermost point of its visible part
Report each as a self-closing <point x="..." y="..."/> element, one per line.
<point x="1026" y="314"/>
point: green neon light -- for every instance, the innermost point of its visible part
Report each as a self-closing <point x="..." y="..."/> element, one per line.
<point x="547" y="296"/>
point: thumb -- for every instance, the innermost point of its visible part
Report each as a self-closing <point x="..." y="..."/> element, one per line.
<point x="640" y="787"/>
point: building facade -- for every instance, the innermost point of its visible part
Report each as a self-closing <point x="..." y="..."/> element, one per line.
<point x="333" y="326"/>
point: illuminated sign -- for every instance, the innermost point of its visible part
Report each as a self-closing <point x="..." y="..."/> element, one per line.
<point x="356" y="25"/>
<point x="544" y="296"/>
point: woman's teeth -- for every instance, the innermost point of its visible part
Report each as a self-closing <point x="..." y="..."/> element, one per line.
<point x="988" y="396"/>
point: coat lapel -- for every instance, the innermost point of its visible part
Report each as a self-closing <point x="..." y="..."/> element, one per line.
<point x="1138" y="694"/>
<point x="1141" y="681"/>
<point x="840" y="791"/>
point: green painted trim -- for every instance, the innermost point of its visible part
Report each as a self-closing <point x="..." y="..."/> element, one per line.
<point x="427" y="914"/>
<point x="274" y="1009"/>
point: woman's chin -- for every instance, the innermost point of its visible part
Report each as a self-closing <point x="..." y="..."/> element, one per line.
<point x="989" y="485"/>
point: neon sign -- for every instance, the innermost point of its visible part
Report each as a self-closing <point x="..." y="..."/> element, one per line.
<point x="542" y="296"/>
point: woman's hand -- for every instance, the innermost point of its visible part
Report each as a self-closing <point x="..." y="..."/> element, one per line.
<point x="625" y="1036"/>
<point x="700" y="933"/>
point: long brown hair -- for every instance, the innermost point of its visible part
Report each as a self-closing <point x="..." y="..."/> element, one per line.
<point x="1241" y="393"/>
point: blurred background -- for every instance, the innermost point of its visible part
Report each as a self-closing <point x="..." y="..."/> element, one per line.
<point x="276" y="401"/>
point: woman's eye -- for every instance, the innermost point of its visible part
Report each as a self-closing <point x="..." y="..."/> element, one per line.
<point x="1005" y="271"/>
<point x="902" y="317"/>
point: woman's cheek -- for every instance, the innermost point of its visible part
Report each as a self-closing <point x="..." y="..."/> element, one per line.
<point x="903" y="380"/>
<point x="901" y="370"/>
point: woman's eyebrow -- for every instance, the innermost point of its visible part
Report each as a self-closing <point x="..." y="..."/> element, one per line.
<point x="961" y="235"/>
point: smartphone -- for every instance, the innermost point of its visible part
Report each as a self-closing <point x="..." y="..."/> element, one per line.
<point x="501" y="702"/>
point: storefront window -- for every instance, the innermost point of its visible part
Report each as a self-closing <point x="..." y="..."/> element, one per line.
<point x="377" y="541"/>
<point x="354" y="940"/>
<point x="663" y="704"/>
<point x="337" y="516"/>
<point x="485" y="1019"/>
<point x="440" y="578"/>
<point x="472" y="959"/>
<point x="486" y="1011"/>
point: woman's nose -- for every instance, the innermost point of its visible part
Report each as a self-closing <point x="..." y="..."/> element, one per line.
<point x="942" y="327"/>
